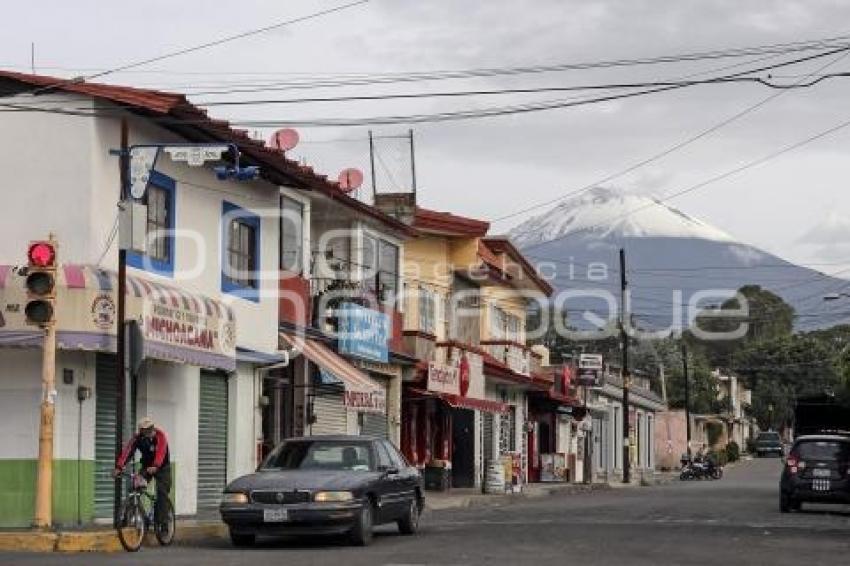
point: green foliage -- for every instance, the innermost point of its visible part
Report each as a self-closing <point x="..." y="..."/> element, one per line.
<point x="733" y="452"/>
<point x="713" y="431"/>
<point x="719" y="457"/>
<point x="751" y="445"/>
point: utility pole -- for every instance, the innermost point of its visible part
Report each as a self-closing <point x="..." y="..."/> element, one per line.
<point x="372" y="166"/>
<point x="43" y="518"/>
<point x="122" y="383"/>
<point x="412" y="165"/>
<point x="624" y="337"/>
<point x="687" y="394"/>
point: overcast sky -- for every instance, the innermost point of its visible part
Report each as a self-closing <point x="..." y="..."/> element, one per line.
<point x="796" y="206"/>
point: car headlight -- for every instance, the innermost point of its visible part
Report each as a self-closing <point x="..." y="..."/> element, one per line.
<point x="234" y="497"/>
<point x="333" y="496"/>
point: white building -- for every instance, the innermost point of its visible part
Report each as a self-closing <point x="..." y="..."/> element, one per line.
<point x="208" y="331"/>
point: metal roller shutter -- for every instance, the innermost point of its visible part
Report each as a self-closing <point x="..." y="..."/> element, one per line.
<point x="487" y="435"/>
<point x="375" y="424"/>
<point x="330" y="413"/>
<point x="212" y="440"/>
<point x="106" y="413"/>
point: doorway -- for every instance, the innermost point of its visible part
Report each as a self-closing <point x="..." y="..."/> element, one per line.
<point x="463" y="453"/>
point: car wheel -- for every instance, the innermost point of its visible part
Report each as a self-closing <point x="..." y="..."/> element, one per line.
<point x="784" y="503"/>
<point x="242" y="540"/>
<point x="361" y="534"/>
<point x="409" y="524"/>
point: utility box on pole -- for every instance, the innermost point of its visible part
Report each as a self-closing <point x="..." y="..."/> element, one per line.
<point x="132" y="226"/>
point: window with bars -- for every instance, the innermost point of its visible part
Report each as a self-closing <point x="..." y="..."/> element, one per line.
<point x="427" y="310"/>
<point x="381" y="265"/>
<point x="241" y="252"/>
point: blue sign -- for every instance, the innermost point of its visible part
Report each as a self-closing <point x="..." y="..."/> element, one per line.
<point x="363" y="332"/>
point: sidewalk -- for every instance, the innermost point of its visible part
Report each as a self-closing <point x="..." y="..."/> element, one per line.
<point x="462" y="498"/>
<point x="101" y="539"/>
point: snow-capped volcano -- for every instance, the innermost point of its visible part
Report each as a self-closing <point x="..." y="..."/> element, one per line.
<point x="671" y="257"/>
<point x="608" y="212"/>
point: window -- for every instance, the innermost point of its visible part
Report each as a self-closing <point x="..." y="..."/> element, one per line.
<point x="291" y="235"/>
<point x="240" y="263"/>
<point x="380" y="265"/>
<point x="384" y="460"/>
<point x="320" y="455"/>
<point x="159" y="256"/>
<point x="396" y="456"/>
<point x="427" y="311"/>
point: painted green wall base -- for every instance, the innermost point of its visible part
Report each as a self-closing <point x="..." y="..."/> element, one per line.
<point x="73" y="492"/>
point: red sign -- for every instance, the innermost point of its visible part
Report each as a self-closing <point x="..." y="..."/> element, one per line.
<point x="463" y="371"/>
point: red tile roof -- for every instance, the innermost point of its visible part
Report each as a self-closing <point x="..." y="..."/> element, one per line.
<point x="497" y="245"/>
<point x="447" y="223"/>
<point x="173" y="111"/>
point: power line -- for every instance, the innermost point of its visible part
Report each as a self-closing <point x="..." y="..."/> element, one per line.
<point x="209" y="44"/>
<point x="674" y="148"/>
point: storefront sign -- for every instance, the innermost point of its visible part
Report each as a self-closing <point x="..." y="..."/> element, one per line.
<point x="443" y="378"/>
<point x="363" y="332"/>
<point x="366" y="402"/>
<point x="590" y="370"/>
<point x="186" y="329"/>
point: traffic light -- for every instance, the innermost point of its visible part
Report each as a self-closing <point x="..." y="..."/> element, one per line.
<point x="41" y="282"/>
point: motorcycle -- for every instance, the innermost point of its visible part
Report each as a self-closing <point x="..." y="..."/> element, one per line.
<point x="699" y="468"/>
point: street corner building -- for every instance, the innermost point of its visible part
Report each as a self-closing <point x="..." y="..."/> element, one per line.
<point x="235" y="348"/>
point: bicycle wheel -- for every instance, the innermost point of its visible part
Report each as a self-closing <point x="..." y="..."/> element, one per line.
<point x="165" y="532"/>
<point x="131" y="524"/>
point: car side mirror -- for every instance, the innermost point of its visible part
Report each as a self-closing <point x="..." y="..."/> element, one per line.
<point x="389" y="470"/>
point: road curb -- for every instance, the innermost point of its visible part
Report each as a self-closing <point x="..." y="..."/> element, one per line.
<point x="101" y="541"/>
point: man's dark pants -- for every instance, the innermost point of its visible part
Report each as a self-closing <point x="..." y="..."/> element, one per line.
<point x="163" y="491"/>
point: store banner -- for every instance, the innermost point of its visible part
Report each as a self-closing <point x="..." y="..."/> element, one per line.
<point x="443" y="378"/>
<point x="179" y="329"/>
<point x="366" y="401"/>
<point x="363" y="333"/>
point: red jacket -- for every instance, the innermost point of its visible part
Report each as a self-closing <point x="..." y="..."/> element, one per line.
<point x="154" y="450"/>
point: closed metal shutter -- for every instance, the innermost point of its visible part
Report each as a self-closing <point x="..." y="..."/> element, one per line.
<point x="106" y="412"/>
<point x="374" y="424"/>
<point x="212" y="440"/>
<point x="487" y="435"/>
<point x="330" y="413"/>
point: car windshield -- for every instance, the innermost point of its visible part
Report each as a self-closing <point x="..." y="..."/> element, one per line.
<point x="823" y="450"/>
<point x="321" y="455"/>
<point x="768" y="437"/>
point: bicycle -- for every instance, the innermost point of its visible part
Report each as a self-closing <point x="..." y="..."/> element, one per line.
<point x="136" y="516"/>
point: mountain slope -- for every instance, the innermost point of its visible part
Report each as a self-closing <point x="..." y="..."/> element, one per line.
<point x="672" y="257"/>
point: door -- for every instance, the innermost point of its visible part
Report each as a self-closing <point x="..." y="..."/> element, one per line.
<point x="463" y="454"/>
<point x="329" y="413"/>
<point x="391" y="489"/>
<point x="374" y="424"/>
<point x="212" y="439"/>
<point x="106" y="422"/>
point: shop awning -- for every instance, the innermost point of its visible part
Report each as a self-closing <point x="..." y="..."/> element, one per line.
<point x="461" y="402"/>
<point x="177" y="325"/>
<point x="362" y="393"/>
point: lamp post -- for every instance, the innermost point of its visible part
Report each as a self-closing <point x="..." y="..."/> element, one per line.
<point x="136" y="163"/>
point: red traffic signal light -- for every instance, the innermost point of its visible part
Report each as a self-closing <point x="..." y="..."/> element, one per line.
<point x="41" y="282"/>
<point x="41" y="254"/>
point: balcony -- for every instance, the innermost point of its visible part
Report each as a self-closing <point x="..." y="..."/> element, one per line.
<point x="516" y="356"/>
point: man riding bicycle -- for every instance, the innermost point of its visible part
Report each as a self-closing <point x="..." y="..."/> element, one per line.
<point x="152" y="444"/>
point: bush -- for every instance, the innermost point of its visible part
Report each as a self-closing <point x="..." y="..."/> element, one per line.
<point x="719" y="457"/>
<point x="751" y="445"/>
<point x="733" y="452"/>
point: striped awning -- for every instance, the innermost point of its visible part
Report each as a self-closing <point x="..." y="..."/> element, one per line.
<point x="177" y="324"/>
<point x="462" y="402"/>
<point x="362" y="393"/>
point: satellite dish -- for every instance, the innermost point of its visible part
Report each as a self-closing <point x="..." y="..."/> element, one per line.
<point x="284" y="139"/>
<point x="350" y="179"/>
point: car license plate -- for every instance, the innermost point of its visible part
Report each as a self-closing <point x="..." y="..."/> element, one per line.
<point x="820" y="473"/>
<point x="275" y="515"/>
<point x="821" y="485"/>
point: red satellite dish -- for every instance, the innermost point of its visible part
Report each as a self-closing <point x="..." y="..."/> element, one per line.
<point x="350" y="179"/>
<point x="284" y="139"/>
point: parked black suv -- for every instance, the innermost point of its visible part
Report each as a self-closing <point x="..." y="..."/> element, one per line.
<point x="768" y="443"/>
<point x="817" y="470"/>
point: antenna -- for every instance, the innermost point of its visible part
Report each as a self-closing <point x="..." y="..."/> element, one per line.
<point x="350" y="179"/>
<point x="284" y="139"/>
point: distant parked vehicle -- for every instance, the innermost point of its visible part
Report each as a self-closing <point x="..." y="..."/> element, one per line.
<point x="817" y="470"/>
<point x="769" y="444"/>
<point x="325" y="485"/>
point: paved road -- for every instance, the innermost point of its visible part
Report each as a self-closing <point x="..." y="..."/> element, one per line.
<point x="733" y="521"/>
